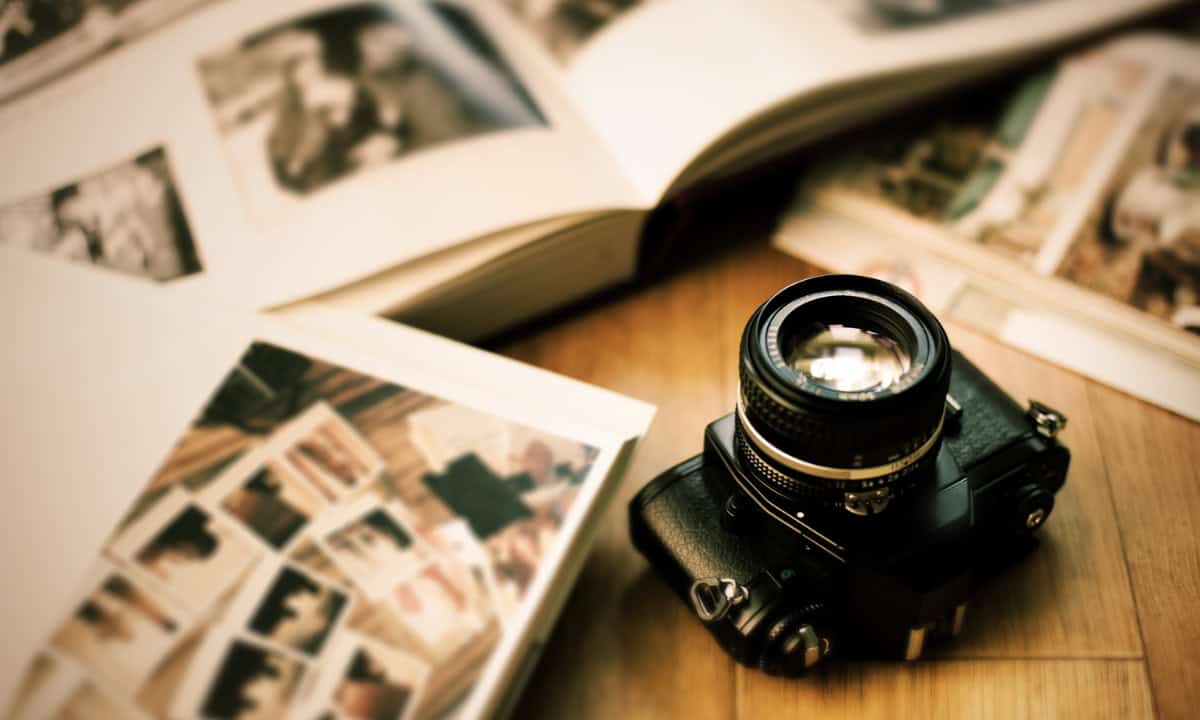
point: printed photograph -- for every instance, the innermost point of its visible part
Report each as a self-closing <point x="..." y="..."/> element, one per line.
<point x="120" y="631"/>
<point x="565" y="26"/>
<point x="40" y="39"/>
<point x="373" y="544"/>
<point x="892" y="15"/>
<point x="318" y="100"/>
<point x="440" y="605"/>
<point x="271" y="500"/>
<point x="1140" y="242"/>
<point x="128" y="218"/>
<point x="276" y="570"/>
<point x="48" y="684"/>
<point x="247" y="680"/>
<point x="446" y="432"/>
<point x="329" y="455"/>
<point x="1003" y="165"/>
<point x="290" y="608"/>
<point x="370" y="681"/>
<point x="455" y="539"/>
<point x="191" y="552"/>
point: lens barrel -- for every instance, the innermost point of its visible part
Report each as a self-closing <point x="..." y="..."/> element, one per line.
<point x="843" y="382"/>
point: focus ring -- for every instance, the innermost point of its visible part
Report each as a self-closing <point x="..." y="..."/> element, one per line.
<point x="828" y="492"/>
<point x="838" y="443"/>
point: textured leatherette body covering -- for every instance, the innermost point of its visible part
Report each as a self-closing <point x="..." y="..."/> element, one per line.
<point x="676" y="524"/>
<point x="990" y="421"/>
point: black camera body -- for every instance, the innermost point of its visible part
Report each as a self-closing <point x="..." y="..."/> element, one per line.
<point x="789" y="539"/>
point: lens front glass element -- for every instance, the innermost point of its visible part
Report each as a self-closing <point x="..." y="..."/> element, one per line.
<point x="846" y="358"/>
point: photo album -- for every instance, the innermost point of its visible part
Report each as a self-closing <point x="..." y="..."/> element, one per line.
<point x="459" y="165"/>
<point x="1057" y="210"/>
<point x="324" y="516"/>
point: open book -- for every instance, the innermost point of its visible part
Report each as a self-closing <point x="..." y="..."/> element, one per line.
<point x="463" y="165"/>
<point x="223" y="515"/>
<point x="1058" y="210"/>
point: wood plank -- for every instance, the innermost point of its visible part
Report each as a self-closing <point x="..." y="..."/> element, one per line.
<point x="1071" y="597"/>
<point x="955" y="689"/>
<point x="626" y="646"/>
<point x="1151" y="458"/>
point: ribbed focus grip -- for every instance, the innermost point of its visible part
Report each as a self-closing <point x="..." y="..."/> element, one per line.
<point x="865" y="439"/>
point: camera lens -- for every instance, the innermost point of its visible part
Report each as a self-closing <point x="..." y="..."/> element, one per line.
<point x="843" y="385"/>
<point x="842" y="357"/>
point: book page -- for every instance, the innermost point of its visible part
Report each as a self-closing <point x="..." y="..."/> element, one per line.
<point x="220" y="511"/>
<point x="662" y="80"/>
<point x="264" y="152"/>
<point x="1058" y="210"/>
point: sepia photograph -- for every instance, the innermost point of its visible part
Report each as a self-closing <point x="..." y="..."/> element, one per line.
<point x="367" y="680"/>
<point x="233" y="677"/>
<point x="1002" y="166"/>
<point x="455" y="539"/>
<point x="892" y="15"/>
<point x="320" y="99"/>
<point x="120" y="631"/>
<point x="1140" y="242"/>
<point x="446" y="432"/>
<point x="440" y="605"/>
<point x="289" y="607"/>
<point x="128" y="218"/>
<point x="372" y="543"/>
<point x="192" y="553"/>
<point x="277" y="568"/>
<point x="40" y="39"/>
<point x="270" y="499"/>
<point x="565" y="26"/>
<point x="329" y="454"/>
<point x="49" y="683"/>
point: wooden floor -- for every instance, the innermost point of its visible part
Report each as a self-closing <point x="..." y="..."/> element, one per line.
<point x="1103" y="621"/>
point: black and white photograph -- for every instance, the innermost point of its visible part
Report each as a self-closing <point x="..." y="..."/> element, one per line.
<point x="290" y="607"/>
<point x="565" y="26"/>
<point x="319" y="99"/>
<point x="892" y="15"/>
<point x="128" y="217"/>
<point x="40" y="39"/>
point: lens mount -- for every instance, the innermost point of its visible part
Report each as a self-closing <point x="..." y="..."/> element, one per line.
<point x="842" y="388"/>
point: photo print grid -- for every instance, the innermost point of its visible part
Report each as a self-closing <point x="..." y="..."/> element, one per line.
<point x="42" y="38"/>
<point x="564" y="26"/>
<point x="1013" y="167"/>
<point x="128" y="217"/>
<point x="319" y="99"/>
<point x="319" y="541"/>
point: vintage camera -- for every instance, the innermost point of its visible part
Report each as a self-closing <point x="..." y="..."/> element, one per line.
<point x="869" y="479"/>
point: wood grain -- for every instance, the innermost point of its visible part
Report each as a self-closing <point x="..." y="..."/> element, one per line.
<point x="1102" y="621"/>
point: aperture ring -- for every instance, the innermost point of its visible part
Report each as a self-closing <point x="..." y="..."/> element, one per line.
<point x="834" y="444"/>
<point x="791" y="462"/>
<point x="826" y="493"/>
